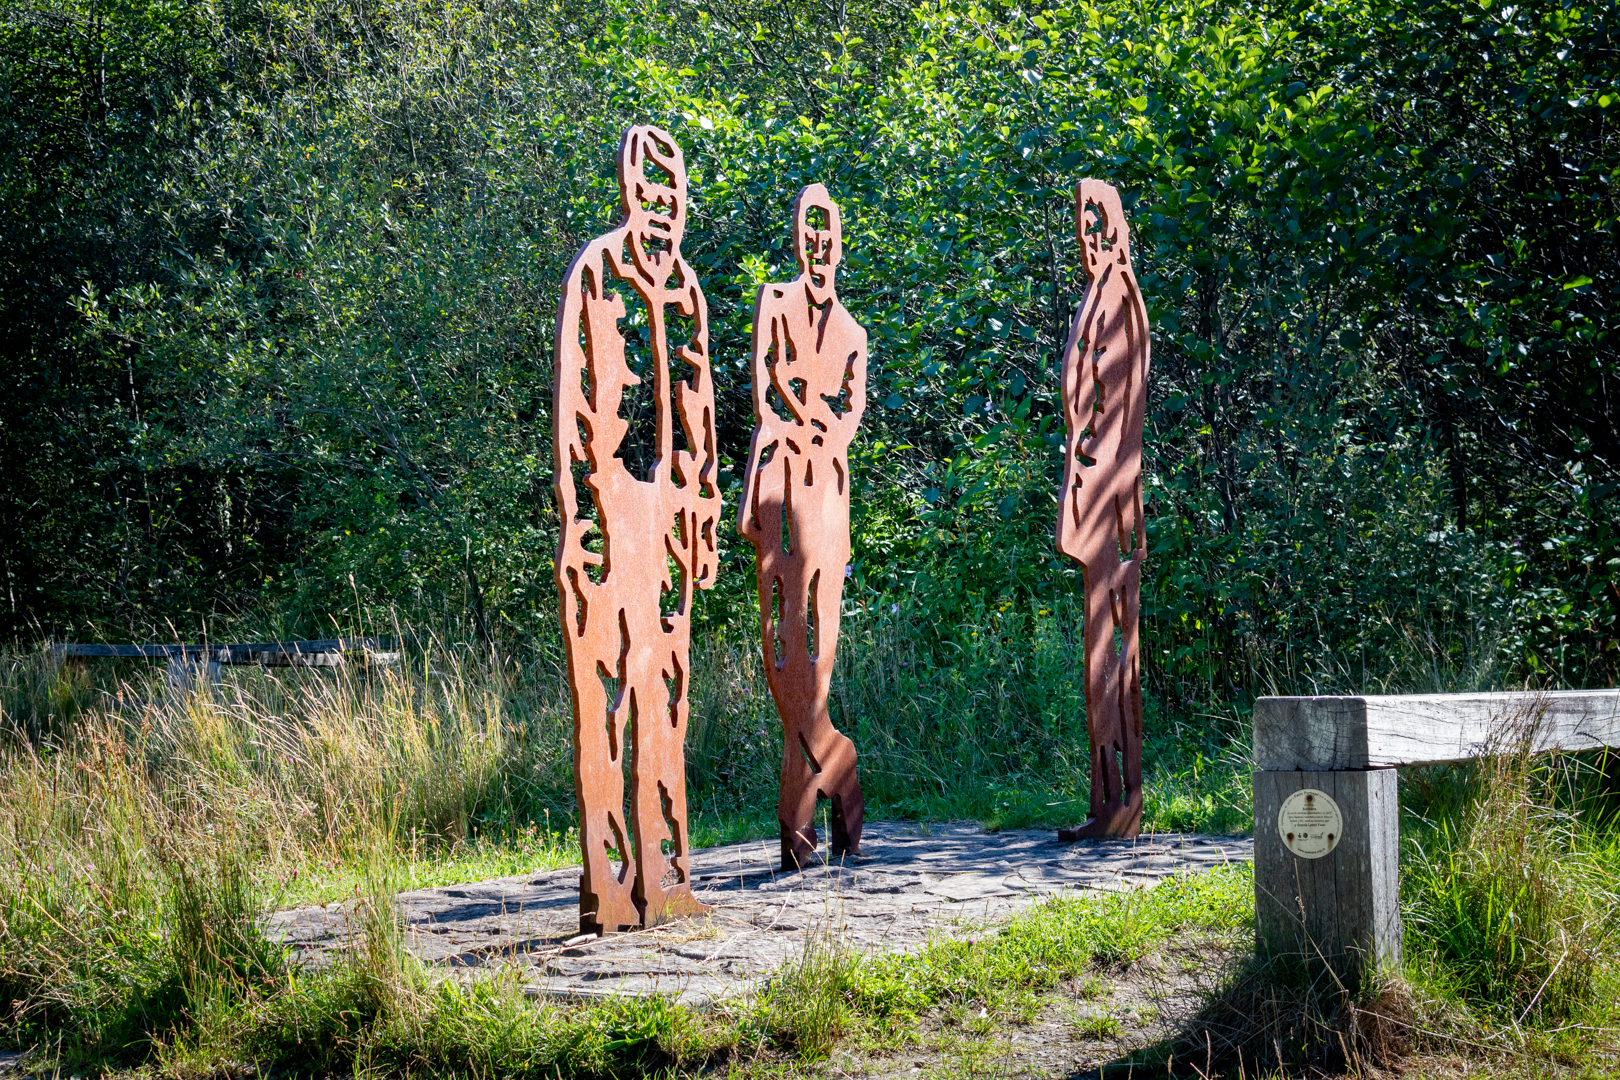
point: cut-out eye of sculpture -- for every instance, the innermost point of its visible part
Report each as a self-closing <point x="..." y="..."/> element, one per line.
<point x="653" y="171"/>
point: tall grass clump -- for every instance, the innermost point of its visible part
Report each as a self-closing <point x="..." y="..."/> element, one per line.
<point x="142" y="835"/>
<point x="1512" y="885"/>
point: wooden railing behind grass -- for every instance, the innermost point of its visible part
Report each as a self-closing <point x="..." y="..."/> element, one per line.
<point x="1342" y="909"/>
<point x="186" y="662"/>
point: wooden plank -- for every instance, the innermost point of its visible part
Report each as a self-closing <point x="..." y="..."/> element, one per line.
<point x="1377" y="731"/>
<point x="1343" y="908"/>
<point x="125" y="651"/>
<point x="224" y="653"/>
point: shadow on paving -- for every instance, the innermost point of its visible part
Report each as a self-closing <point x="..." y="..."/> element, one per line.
<point x="910" y="881"/>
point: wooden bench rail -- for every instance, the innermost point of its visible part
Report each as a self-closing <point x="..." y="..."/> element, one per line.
<point x="1320" y="734"/>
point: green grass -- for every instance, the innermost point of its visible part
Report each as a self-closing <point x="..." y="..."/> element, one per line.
<point x="142" y="832"/>
<point x="1511" y="892"/>
<point x="385" y="1013"/>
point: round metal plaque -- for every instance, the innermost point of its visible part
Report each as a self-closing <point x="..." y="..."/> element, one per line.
<point x="1310" y="823"/>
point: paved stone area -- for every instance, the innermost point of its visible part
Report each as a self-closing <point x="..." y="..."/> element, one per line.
<point x="909" y="882"/>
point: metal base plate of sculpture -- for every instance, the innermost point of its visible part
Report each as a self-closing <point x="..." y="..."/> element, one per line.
<point x="633" y="547"/>
<point x="809" y="373"/>
<point x="1100" y="525"/>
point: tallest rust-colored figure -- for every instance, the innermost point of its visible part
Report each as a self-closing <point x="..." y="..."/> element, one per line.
<point x="809" y="373"/>
<point x="1100" y="526"/>
<point x="632" y="548"/>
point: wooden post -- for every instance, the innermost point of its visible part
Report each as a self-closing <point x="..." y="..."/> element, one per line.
<point x="1342" y="909"/>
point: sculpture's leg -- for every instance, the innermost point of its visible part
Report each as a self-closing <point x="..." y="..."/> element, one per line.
<point x="840" y="779"/>
<point x="658" y="804"/>
<point x="1130" y="672"/>
<point x="796" y="806"/>
<point x="606" y="895"/>
<point x="1116" y="808"/>
<point x="842" y="786"/>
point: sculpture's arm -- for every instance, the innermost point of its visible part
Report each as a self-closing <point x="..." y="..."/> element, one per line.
<point x="764" y="416"/>
<point x="1079" y="397"/>
<point x="852" y="375"/>
<point x="1142" y="335"/>
<point x="857" y="380"/>
<point x="569" y="408"/>
<point x="698" y="467"/>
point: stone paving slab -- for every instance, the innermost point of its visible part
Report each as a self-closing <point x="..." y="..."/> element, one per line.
<point x="909" y="882"/>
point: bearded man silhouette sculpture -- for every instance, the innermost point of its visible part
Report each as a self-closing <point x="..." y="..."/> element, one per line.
<point x="633" y="548"/>
<point x="809" y="376"/>
<point x="1100" y="524"/>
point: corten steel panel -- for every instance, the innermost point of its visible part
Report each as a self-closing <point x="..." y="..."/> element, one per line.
<point x="1105" y="368"/>
<point x="809" y="374"/>
<point x="633" y="548"/>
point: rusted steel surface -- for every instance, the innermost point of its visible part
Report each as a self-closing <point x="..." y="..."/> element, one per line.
<point x="1100" y="526"/>
<point x="809" y="375"/>
<point x="632" y="547"/>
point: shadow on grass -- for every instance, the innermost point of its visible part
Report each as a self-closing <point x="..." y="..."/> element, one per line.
<point x="1278" y="1016"/>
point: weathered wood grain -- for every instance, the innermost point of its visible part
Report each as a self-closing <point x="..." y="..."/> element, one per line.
<point x="1377" y="731"/>
<point x="1343" y="908"/>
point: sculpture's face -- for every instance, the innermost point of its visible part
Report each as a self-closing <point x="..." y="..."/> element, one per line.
<point x="1103" y="233"/>
<point x="652" y="178"/>
<point x="817" y="237"/>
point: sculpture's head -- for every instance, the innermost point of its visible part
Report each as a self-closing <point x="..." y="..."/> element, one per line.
<point x="1100" y="226"/>
<point x="818" y="238"/>
<point x="652" y="188"/>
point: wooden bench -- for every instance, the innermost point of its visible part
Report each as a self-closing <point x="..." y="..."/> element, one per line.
<point x="1342" y="908"/>
<point x="186" y="661"/>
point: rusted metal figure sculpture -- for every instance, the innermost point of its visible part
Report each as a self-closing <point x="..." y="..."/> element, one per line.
<point x="1100" y="526"/>
<point x="809" y="375"/>
<point x="632" y="547"/>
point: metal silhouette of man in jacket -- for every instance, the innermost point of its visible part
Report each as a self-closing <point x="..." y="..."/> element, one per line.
<point x="633" y="548"/>
<point x="809" y="375"/>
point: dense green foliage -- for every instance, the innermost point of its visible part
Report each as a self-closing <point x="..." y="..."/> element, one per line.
<point x="277" y="284"/>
